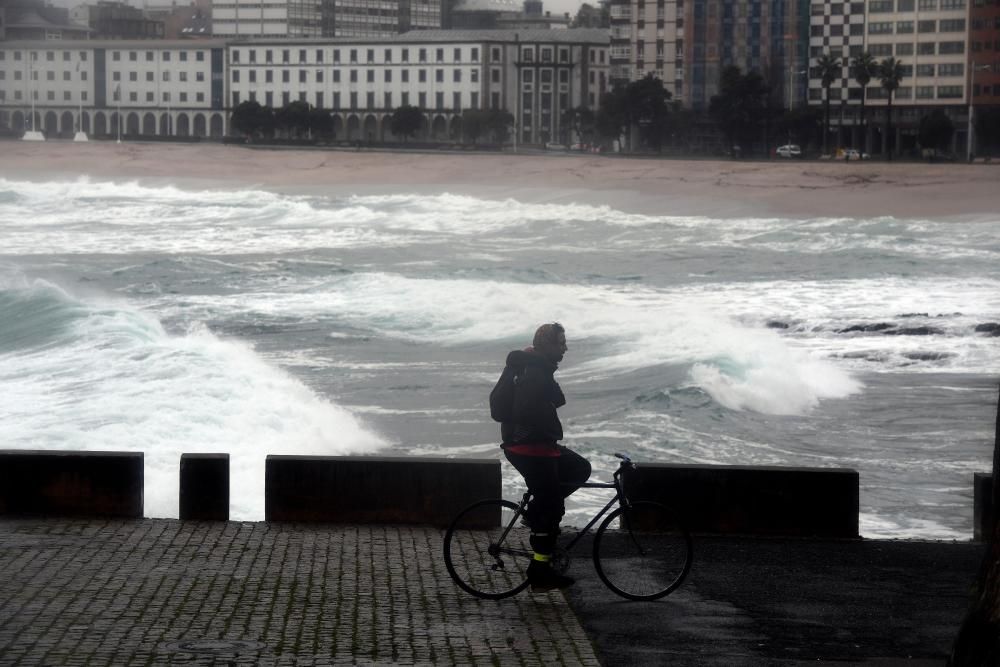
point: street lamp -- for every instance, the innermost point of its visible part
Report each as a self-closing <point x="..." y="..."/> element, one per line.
<point x="792" y="72"/>
<point x="970" y="141"/>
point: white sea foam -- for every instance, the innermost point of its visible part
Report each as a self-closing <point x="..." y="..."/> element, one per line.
<point x="118" y="382"/>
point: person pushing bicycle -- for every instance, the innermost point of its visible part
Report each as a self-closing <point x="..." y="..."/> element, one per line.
<point x="525" y="401"/>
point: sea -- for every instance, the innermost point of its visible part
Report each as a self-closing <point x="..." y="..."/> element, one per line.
<point x="166" y="320"/>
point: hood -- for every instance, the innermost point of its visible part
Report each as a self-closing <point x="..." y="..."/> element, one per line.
<point x="528" y="357"/>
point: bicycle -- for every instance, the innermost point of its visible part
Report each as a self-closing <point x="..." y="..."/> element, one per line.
<point x="486" y="548"/>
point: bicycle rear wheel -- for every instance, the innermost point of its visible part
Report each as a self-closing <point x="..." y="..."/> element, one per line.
<point x="486" y="550"/>
<point x="646" y="555"/>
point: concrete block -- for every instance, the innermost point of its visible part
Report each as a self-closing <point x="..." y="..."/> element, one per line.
<point x="754" y="500"/>
<point x="982" y="506"/>
<point x="204" y="492"/>
<point x="71" y="484"/>
<point x="375" y="489"/>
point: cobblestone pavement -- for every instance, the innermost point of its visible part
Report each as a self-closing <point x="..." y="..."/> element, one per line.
<point x="158" y="591"/>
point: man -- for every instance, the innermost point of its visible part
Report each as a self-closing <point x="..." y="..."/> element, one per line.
<point x="531" y="443"/>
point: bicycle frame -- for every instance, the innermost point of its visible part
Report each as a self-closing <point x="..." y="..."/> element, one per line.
<point x="619" y="497"/>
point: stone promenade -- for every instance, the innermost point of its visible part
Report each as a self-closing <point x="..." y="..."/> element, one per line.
<point x="152" y="592"/>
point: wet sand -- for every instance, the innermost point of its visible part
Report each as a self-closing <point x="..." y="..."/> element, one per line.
<point x="658" y="186"/>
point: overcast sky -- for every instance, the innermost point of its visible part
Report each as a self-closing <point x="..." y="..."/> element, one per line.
<point x="554" y="6"/>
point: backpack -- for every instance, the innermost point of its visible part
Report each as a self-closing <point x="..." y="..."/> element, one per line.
<point x="502" y="396"/>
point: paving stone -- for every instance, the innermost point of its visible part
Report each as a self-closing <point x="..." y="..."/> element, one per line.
<point x="159" y="591"/>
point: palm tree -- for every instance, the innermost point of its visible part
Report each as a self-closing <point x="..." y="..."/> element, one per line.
<point x="829" y="71"/>
<point x="864" y="67"/>
<point x="890" y="73"/>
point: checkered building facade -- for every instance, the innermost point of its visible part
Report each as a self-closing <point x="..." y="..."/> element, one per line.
<point x="836" y="27"/>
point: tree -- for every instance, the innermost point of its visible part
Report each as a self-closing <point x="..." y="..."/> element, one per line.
<point x="890" y="73"/>
<point x="475" y="123"/>
<point x="863" y="68"/>
<point x="499" y="124"/>
<point x="612" y="116"/>
<point x="589" y="16"/>
<point x="406" y="121"/>
<point x="293" y="118"/>
<point x="988" y="129"/>
<point x="647" y="102"/>
<point x="936" y="130"/>
<point x="830" y="70"/>
<point x="320" y="123"/>
<point x="978" y="641"/>
<point x="740" y="106"/>
<point x="252" y="119"/>
<point x="581" y="121"/>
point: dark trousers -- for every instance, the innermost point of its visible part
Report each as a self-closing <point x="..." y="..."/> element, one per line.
<point x="550" y="479"/>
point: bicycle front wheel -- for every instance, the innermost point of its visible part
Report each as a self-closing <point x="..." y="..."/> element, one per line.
<point x="642" y="552"/>
<point x="486" y="550"/>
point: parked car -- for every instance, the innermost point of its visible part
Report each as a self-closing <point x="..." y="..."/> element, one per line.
<point x="554" y="146"/>
<point x="851" y="154"/>
<point x="580" y="147"/>
<point x="788" y="151"/>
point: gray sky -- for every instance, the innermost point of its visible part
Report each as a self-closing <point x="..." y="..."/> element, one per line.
<point x="554" y="6"/>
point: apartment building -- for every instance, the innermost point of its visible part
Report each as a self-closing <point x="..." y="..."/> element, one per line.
<point x="188" y="88"/>
<point x="984" y="51"/>
<point x="150" y="87"/>
<point x="648" y="38"/>
<point x="322" y="18"/>
<point x="534" y="74"/>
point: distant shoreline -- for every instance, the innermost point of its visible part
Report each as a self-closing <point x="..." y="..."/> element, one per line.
<point x="719" y="188"/>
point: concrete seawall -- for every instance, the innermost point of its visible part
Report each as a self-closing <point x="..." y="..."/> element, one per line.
<point x="71" y="484"/>
<point x="714" y="499"/>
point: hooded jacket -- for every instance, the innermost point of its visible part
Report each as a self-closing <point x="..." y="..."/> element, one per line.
<point x="536" y="397"/>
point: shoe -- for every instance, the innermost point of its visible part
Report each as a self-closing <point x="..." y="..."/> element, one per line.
<point x="542" y="578"/>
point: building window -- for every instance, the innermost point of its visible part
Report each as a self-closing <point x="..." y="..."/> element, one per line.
<point x="354" y="55"/>
<point x="406" y="55"/>
<point x="184" y="97"/>
<point x="456" y="76"/>
<point x="951" y="48"/>
<point x="354" y="76"/>
<point x="475" y="54"/>
<point x="387" y="55"/>
<point x="302" y="76"/>
<point x="286" y="76"/>
<point x="388" y="76"/>
<point x="474" y="75"/>
<point x="949" y="92"/>
<point x="439" y="54"/>
<point x="184" y="56"/>
<point x="371" y="55"/>
<point x="405" y="76"/>
<point x="387" y="101"/>
<point x="439" y="101"/>
<point x="457" y="56"/>
<point x="371" y="76"/>
<point x="496" y="54"/>
<point x="302" y="55"/>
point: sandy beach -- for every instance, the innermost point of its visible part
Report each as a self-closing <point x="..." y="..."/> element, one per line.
<point x="658" y="186"/>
